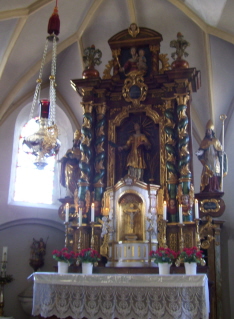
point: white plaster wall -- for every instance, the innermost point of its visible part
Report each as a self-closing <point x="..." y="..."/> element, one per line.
<point x="227" y="235"/>
<point x="20" y="224"/>
<point x="18" y="237"/>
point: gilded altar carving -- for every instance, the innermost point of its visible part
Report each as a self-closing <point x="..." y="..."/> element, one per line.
<point x="164" y="62"/>
<point x="153" y="159"/>
<point x="134" y="89"/>
<point x="210" y="205"/>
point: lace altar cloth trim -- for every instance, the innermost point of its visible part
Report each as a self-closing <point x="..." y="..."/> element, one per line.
<point x="124" y="302"/>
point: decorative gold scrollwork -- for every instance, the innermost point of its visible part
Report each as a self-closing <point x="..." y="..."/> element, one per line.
<point x="135" y="81"/>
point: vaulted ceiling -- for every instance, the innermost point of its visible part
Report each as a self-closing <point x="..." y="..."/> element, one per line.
<point x="207" y="25"/>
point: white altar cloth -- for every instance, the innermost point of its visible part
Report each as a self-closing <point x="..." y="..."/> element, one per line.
<point x="120" y="296"/>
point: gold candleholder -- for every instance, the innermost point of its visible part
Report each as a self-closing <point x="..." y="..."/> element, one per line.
<point x="162" y="228"/>
<point x="79" y="243"/>
<point x="198" y="239"/>
<point x="66" y="233"/>
<point x="92" y="235"/>
<point x="181" y="241"/>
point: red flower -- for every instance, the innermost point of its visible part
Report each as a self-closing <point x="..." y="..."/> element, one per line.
<point x="163" y="255"/>
<point x="64" y="255"/>
<point x="191" y="255"/>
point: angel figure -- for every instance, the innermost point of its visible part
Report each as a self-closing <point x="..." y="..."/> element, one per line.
<point x="133" y="30"/>
<point x="106" y="229"/>
<point x="186" y="200"/>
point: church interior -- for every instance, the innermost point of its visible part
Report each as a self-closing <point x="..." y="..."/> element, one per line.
<point x="133" y="102"/>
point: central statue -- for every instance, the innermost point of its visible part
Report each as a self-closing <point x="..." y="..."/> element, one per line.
<point x="135" y="160"/>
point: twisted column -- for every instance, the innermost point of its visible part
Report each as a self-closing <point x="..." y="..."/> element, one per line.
<point x="86" y="153"/>
<point x="185" y="187"/>
<point x="100" y="157"/>
<point x="171" y="155"/>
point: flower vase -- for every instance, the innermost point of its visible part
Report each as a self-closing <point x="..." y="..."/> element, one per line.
<point x="62" y="267"/>
<point x="190" y="268"/>
<point x="164" y="268"/>
<point x="87" y="268"/>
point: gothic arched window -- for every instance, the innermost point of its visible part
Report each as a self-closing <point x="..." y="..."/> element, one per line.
<point x="32" y="185"/>
<point x="28" y="185"/>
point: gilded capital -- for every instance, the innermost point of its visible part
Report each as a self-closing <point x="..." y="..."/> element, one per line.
<point x="87" y="107"/>
<point x="182" y="99"/>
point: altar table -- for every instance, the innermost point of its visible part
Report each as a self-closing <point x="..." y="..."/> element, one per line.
<point x="120" y="296"/>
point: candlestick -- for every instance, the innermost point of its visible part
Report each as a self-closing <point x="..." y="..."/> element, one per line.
<point x="4" y="254"/>
<point x="92" y="212"/>
<point x="67" y="213"/>
<point x="164" y="210"/>
<point x="198" y="239"/>
<point x="196" y="209"/>
<point x="180" y="214"/>
<point x="66" y="234"/>
<point x="181" y="240"/>
<point x="92" y="236"/>
<point x="80" y="216"/>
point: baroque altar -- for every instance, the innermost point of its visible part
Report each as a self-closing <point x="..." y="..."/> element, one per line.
<point x="130" y="168"/>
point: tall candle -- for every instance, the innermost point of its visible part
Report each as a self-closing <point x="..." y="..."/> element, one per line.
<point x="180" y="214"/>
<point x="92" y="212"/>
<point x="67" y="213"/>
<point x="165" y="210"/>
<point x="196" y="209"/>
<point x="80" y="216"/>
<point x="4" y="254"/>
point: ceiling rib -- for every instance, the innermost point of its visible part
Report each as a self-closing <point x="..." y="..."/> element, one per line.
<point x="11" y="44"/>
<point x="210" y="78"/>
<point x="132" y="11"/>
<point x="199" y="22"/>
<point x="79" y="33"/>
<point x="23" y="12"/>
<point x="62" y="46"/>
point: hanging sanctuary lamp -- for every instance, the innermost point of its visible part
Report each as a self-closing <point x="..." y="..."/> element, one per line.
<point x="44" y="142"/>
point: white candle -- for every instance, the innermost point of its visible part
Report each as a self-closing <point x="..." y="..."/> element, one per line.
<point x="165" y="210"/>
<point x="196" y="209"/>
<point x="4" y="254"/>
<point x="67" y="213"/>
<point x="92" y="212"/>
<point x="80" y="216"/>
<point x="180" y="214"/>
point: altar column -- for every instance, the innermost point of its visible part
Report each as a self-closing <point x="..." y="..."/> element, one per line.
<point x="100" y="158"/>
<point x="171" y="159"/>
<point x="86" y="152"/>
<point x="184" y="166"/>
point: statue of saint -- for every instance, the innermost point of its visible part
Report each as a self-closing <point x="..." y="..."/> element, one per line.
<point x="210" y="155"/>
<point x="70" y="171"/>
<point x="135" y="160"/>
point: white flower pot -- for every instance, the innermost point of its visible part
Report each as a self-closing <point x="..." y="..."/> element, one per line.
<point x="164" y="268"/>
<point x="62" y="267"/>
<point x="190" y="268"/>
<point x="87" y="268"/>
